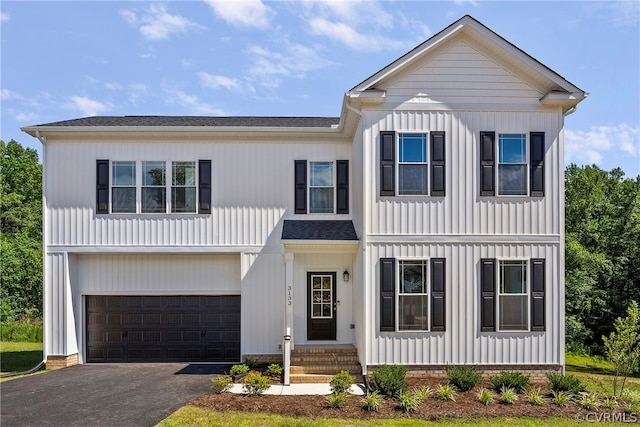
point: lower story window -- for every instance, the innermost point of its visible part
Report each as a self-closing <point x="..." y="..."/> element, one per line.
<point x="321" y="297"/>
<point x="413" y="296"/>
<point x="513" y="298"/>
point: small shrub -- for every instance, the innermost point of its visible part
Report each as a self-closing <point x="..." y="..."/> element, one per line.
<point x="632" y="407"/>
<point x="239" y="369"/>
<point x="486" y="396"/>
<point x="464" y="378"/>
<point x="221" y="383"/>
<point x="446" y="392"/>
<point x="510" y="379"/>
<point x="390" y="380"/>
<point x="561" y="398"/>
<point x="630" y="396"/>
<point x="252" y="364"/>
<point x="255" y="383"/>
<point x="274" y="370"/>
<point x="422" y="393"/>
<point x="590" y="401"/>
<point x="610" y="402"/>
<point x="336" y="400"/>
<point x="508" y="395"/>
<point x="567" y="383"/>
<point x="408" y="402"/>
<point x="341" y="382"/>
<point x="534" y="397"/>
<point x="372" y="401"/>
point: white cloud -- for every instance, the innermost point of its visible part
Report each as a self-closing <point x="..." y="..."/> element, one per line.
<point x="158" y="24"/>
<point x="4" y="17"/>
<point x="191" y="103"/>
<point x="6" y="94"/>
<point x="473" y="3"/>
<point x="588" y="147"/>
<point x="28" y="117"/>
<point x="215" y="81"/>
<point x="350" y="37"/>
<point x="295" y="60"/>
<point x="88" y="107"/>
<point x="246" y="13"/>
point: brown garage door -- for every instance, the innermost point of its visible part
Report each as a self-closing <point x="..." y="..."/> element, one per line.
<point x="163" y="328"/>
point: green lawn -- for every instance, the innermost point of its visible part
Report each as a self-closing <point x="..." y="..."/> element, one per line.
<point x="192" y="417"/>
<point x="19" y="356"/>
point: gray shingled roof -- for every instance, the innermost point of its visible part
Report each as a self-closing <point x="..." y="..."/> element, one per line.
<point x="318" y="230"/>
<point x="237" y="121"/>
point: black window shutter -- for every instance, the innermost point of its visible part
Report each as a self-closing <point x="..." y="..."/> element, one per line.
<point x="438" y="300"/>
<point x="387" y="294"/>
<point x="537" y="294"/>
<point x="300" y="177"/>
<point x="204" y="186"/>
<point x="536" y="156"/>
<point x="487" y="163"/>
<point x="437" y="164"/>
<point x="487" y="294"/>
<point x="342" y="185"/>
<point x="102" y="186"/>
<point x="387" y="163"/>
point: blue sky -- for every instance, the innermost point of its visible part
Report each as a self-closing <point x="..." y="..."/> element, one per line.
<point x="63" y="60"/>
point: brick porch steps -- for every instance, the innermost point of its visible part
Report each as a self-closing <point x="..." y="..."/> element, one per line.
<point x="318" y="364"/>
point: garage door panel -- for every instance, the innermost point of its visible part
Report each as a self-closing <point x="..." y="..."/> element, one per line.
<point x="163" y="328"/>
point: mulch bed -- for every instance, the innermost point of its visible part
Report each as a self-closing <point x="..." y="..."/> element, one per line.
<point x="466" y="405"/>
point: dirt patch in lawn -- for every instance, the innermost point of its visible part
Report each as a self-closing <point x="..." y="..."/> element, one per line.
<point x="466" y="405"/>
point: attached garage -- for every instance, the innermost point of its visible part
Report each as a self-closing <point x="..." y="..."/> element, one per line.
<point x="188" y="328"/>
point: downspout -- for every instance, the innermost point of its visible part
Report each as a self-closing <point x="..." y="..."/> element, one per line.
<point x="43" y="362"/>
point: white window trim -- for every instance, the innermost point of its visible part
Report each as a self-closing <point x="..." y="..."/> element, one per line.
<point x="398" y="162"/>
<point x="334" y="178"/>
<point x="398" y="293"/>
<point x="527" y="164"/>
<point x="167" y="186"/>
<point x="527" y="263"/>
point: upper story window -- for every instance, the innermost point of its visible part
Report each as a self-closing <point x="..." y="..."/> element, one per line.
<point x="321" y="187"/>
<point x="153" y="187"/>
<point x="123" y="189"/>
<point x="412" y="163"/>
<point x="519" y="161"/>
<point x="512" y="164"/>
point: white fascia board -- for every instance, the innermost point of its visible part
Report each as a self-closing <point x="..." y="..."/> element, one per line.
<point x="367" y="97"/>
<point x="334" y="246"/>
<point x="334" y="133"/>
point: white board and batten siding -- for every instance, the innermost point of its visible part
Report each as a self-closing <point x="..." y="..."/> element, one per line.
<point x="252" y="191"/>
<point x="463" y="342"/>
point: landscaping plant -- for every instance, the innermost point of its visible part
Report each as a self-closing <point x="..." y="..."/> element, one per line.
<point x="568" y="383"/>
<point x="336" y="400"/>
<point x="561" y="398"/>
<point x="408" y="401"/>
<point x="252" y="364"/>
<point x="463" y="377"/>
<point x="372" y="401"/>
<point x="446" y="392"/>
<point x="255" y="383"/>
<point x="510" y="379"/>
<point x="422" y="393"/>
<point x="534" y="396"/>
<point x="341" y="383"/>
<point x="508" y="395"/>
<point x="390" y="380"/>
<point x="486" y="396"/>
<point x="590" y="401"/>
<point x="274" y="370"/>
<point x="221" y="383"/>
<point x="622" y="346"/>
<point x="239" y="369"/>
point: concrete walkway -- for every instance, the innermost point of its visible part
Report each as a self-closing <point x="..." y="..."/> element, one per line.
<point x="300" y="389"/>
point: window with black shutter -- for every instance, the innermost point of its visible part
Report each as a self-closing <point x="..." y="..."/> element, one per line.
<point x="487" y="294"/>
<point x="102" y="186"/>
<point x="536" y="179"/>
<point x="387" y="294"/>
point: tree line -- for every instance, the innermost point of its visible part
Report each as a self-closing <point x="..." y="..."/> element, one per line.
<point x="602" y="245"/>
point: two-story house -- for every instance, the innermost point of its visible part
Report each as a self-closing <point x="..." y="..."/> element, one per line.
<point x="424" y="226"/>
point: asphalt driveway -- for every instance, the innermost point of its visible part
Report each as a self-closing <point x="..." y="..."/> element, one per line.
<point x="110" y="395"/>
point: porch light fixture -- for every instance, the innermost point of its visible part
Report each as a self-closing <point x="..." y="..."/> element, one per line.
<point x="345" y="276"/>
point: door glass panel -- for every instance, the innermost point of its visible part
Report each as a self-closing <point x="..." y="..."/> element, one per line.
<point x="321" y="297"/>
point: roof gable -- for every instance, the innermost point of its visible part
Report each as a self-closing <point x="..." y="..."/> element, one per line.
<point x="469" y="40"/>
